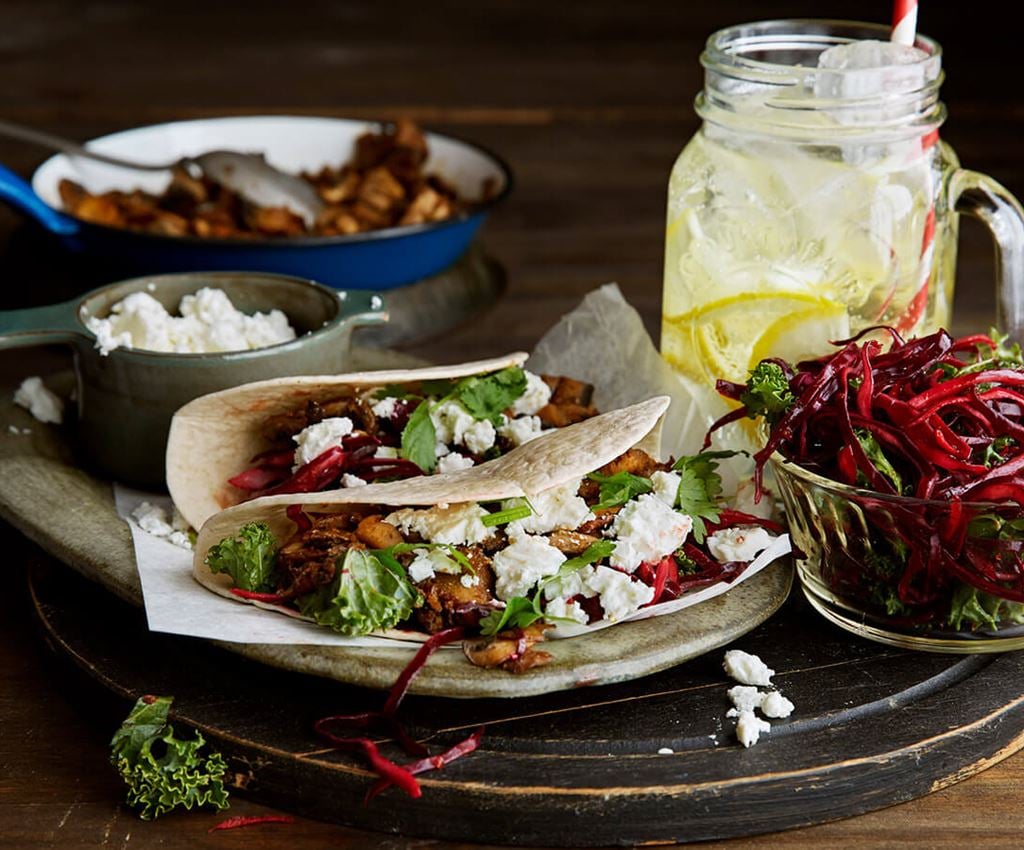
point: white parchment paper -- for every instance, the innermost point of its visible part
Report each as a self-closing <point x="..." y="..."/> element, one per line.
<point x="603" y="341"/>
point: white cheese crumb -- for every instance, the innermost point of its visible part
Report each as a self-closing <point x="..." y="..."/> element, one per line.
<point x="453" y="424"/>
<point x="620" y="595"/>
<point x="453" y="462"/>
<point x="349" y="480"/>
<point x="386" y="451"/>
<point x="13" y="429"/>
<point x="467" y="580"/>
<point x="518" y="567"/>
<point x="745" y="697"/>
<point x="558" y="507"/>
<point x="666" y="751"/>
<point x="749" y="728"/>
<point x="747" y="669"/>
<point x="428" y="562"/>
<point x="39" y="400"/>
<point x="566" y="610"/>
<point x="774" y="704"/>
<point x="738" y="544"/>
<point x="536" y="395"/>
<point x="647" y="530"/>
<point x="314" y="440"/>
<point x="455" y="524"/>
<point x="385" y="408"/>
<point x="208" y="322"/>
<point x="666" y="486"/>
<point x="521" y="430"/>
<point x="154" y="520"/>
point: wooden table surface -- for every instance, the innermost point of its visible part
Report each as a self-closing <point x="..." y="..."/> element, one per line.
<point x="589" y="103"/>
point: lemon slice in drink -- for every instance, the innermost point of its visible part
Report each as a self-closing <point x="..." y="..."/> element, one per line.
<point x="727" y="337"/>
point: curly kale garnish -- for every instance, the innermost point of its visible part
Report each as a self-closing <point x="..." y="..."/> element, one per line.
<point x="248" y="557"/>
<point x="161" y="771"/>
<point x="768" y="393"/>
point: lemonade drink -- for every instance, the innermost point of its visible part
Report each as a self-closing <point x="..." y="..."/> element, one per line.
<point x="808" y="206"/>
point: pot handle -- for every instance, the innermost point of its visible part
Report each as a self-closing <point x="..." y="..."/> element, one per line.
<point x="19" y="194"/>
<point x="363" y="307"/>
<point x="54" y="323"/>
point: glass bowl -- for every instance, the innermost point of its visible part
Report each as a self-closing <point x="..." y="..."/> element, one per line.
<point x="941" y="576"/>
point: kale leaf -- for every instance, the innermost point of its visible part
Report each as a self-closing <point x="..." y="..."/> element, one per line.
<point x="768" y="393"/>
<point x="877" y="456"/>
<point x="248" y="557"/>
<point x="162" y="771"/>
<point x="368" y="593"/>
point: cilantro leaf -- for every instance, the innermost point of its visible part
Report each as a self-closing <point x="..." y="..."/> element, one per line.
<point x="596" y="551"/>
<point x="519" y="612"/>
<point x="248" y="557"/>
<point x="768" y="393"/>
<point x="619" y="488"/>
<point x="419" y="439"/>
<point x="877" y="456"/>
<point x="485" y="397"/>
<point x="368" y="593"/>
<point x="700" y="485"/>
<point x="179" y="776"/>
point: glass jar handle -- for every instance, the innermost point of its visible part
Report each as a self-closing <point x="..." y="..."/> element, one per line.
<point x="983" y="198"/>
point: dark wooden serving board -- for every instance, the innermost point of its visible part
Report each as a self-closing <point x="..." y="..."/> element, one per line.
<point x="873" y="726"/>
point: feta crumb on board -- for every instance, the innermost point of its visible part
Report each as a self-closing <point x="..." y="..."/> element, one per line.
<point x="666" y="751"/>
<point x="747" y="669"/>
<point x="749" y="728"/>
<point x="314" y="440"/>
<point x="39" y="400"/>
<point x="747" y="698"/>
<point x="207" y="322"/>
<point x="774" y="704"/>
<point x="154" y="520"/>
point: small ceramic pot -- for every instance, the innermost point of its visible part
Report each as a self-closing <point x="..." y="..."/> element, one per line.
<point x="126" y="398"/>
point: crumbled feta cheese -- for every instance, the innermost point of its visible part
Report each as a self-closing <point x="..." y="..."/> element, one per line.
<point x="453" y="424"/>
<point x="573" y="584"/>
<point x="519" y="566"/>
<point x="749" y="728"/>
<point x="428" y="562"/>
<point x="349" y="480"/>
<point x="386" y="452"/>
<point x="620" y="595"/>
<point x="666" y="486"/>
<point x="666" y="751"/>
<point x="774" y="704"/>
<point x="385" y="408"/>
<point x="455" y="524"/>
<point x="313" y="441"/>
<point x="747" y="669"/>
<point x="562" y="608"/>
<point x="558" y="507"/>
<point x="521" y="430"/>
<point x="536" y="395"/>
<point x="207" y="322"/>
<point x="154" y="520"/>
<point x="13" y="429"/>
<point x="738" y="544"/>
<point x="467" y="580"/>
<point x="453" y="462"/>
<point x="745" y="697"/>
<point x="39" y="400"/>
<point x="647" y="530"/>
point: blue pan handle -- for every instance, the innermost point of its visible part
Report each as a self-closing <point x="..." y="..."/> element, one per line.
<point x="19" y="194"/>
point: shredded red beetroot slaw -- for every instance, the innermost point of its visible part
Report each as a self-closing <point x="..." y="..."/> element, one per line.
<point x="250" y="820"/>
<point x="385" y="722"/>
<point x="937" y="418"/>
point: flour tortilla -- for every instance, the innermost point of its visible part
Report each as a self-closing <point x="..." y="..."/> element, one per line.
<point x="551" y="460"/>
<point x="216" y="436"/>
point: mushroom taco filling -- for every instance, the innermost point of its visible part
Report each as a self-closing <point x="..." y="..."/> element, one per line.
<point x="635" y="533"/>
<point x="313" y="435"/>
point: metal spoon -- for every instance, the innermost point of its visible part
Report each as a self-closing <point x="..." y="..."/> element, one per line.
<point x="248" y="174"/>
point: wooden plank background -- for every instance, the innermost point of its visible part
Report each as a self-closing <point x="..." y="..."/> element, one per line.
<point x="589" y="102"/>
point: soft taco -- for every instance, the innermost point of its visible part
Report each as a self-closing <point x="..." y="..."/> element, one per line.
<point x="576" y="530"/>
<point x="309" y="434"/>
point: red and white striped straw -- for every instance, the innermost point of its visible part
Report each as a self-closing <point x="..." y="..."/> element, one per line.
<point x="904" y="22"/>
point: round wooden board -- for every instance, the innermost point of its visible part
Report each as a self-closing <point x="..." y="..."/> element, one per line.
<point x="873" y="726"/>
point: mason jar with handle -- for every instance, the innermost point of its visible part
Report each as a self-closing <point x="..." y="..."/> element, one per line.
<point x="817" y="199"/>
